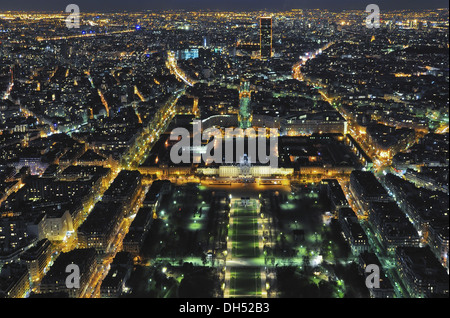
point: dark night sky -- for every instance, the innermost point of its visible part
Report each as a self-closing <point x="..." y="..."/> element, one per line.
<point x="134" y="5"/>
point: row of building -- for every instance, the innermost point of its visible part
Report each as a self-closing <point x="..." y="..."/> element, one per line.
<point x="388" y="230"/>
<point x="428" y="211"/>
<point x="418" y="268"/>
<point x="48" y="207"/>
<point x="103" y="223"/>
<point x="140" y="227"/>
<point x="95" y="236"/>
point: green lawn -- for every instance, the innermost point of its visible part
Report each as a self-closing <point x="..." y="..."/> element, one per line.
<point x="244" y="233"/>
<point x="245" y="282"/>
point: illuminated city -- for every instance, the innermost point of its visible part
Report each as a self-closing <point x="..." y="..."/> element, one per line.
<point x="88" y="177"/>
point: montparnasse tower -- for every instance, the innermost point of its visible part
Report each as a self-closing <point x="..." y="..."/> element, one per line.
<point x="266" y="37"/>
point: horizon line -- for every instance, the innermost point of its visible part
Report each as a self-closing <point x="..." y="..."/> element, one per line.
<point x="218" y="10"/>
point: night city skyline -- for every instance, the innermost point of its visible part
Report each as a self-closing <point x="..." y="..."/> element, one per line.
<point x="216" y="150"/>
<point x="252" y="5"/>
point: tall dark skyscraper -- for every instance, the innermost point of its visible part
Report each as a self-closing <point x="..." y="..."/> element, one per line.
<point x="266" y="37"/>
